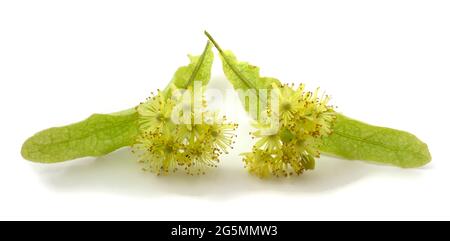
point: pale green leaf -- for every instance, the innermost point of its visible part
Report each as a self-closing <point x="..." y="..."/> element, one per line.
<point x="244" y="77"/>
<point x="355" y="140"/>
<point x="98" y="135"/>
<point x="199" y="69"/>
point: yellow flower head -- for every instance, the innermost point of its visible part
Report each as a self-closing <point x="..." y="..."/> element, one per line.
<point x="304" y="118"/>
<point x="158" y="150"/>
<point x="165" y="147"/>
<point x="155" y="112"/>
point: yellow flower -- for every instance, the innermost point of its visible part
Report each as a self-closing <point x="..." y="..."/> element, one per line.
<point x="158" y="151"/>
<point x="155" y="112"/>
<point x="289" y="101"/>
<point x="199" y="156"/>
<point x="164" y="147"/>
<point x="259" y="162"/>
<point x="304" y="119"/>
<point x="269" y="142"/>
<point x="220" y="132"/>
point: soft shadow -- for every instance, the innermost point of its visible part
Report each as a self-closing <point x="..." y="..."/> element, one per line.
<point x="119" y="173"/>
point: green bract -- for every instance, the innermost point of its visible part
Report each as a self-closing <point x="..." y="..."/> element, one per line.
<point x="243" y="76"/>
<point x="98" y="135"/>
<point x="199" y="69"/>
<point x="355" y="140"/>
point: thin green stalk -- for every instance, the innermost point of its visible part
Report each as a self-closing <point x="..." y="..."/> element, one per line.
<point x="190" y="83"/>
<point x="232" y="67"/>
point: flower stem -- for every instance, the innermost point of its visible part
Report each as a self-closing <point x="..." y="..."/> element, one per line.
<point x="227" y="61"/>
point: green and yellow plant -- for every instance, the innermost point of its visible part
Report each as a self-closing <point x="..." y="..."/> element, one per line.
<point x="309" y="126"/>
<point x="173" y="130"/>
<point x="162" y="145"/>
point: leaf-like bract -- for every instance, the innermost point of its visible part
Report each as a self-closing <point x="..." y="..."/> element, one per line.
<point x="199" y="69"/>
<point x="98" y="135"/>
<point x="244" y="75"/>
<point x="355" y="140"/>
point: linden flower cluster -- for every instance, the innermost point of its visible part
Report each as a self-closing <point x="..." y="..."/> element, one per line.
<point x="304" y="118"/>
<point x="165" y="147"/>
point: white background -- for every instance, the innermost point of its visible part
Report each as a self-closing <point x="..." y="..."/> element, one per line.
<point x="384" y="62"/>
